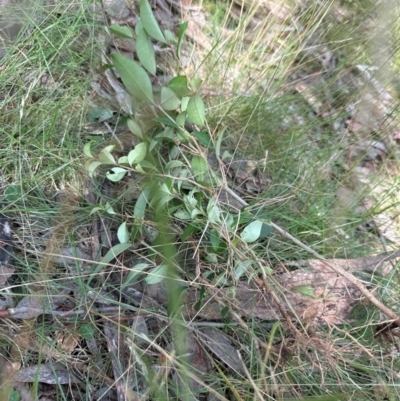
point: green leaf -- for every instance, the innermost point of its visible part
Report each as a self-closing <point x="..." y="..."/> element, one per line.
<point x="219" y="142"/>
<point x="252" y="231"/>
<point x="213" y="211"/>
<point x="180" y="86"/>
<point x="86" y="330"/>
<point x="181" y="32"/>
<point x="167" y="121"/>
<point x="116" y="174"/>
<point x="204" y="138"/>
<point x="184" y="103"/>
<point x="123" y="160"/>
<point x="195" y="110"/>
<point x="145" y="52"/>
<point x="109" y="209"/>
<point x="138" y="154"/>
<point x="265" y="230"/>
<point x="134" y="127"/>
<point x="199" y="167"/>
<point x="170" y="37"/>
<point x="169" y="100"/>
<point x="122" y="31"/>
<point x="134" y="77"/>
<point x="134" y="273"/>
<point x="13" y="193"/>
<point x="100" y="115"/>
<point x="115" y="251"/>
<point x="181" y="119"/>
<point x="105" y="157"/>
<point x="138" y="27"/>
<point x="214" y="239"/>
<point x="15" y="394"/>
<point x="123" y="233"/>
<point x="224" y="311"/>
<point x="173" y="164"/>
<point x="200" y="299"/>
<point x="195" y="84"/>
<point x="141" y="203"/>
<point x="182" y="214"/>
<point x="149" y="22"/>
<point x="87" y="151"/>
<point x="241" y="268"/>
<point x="189" y="230"/>
<point x="157" y="275"/>
<point x="95" y="209"/>
<point x="306" y="290"/>
<point x="91" y="167"/>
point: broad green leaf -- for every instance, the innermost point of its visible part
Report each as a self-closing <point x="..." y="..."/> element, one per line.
<point x="252" y="231"/>
<point x="183" y="214"/>
<point x="181" y="32"/>
<point x="145" y="52"/>
<point x="167" y="121"/>
<point x="180" y="86"/>
<point x="204" y="138"/>
<point x="184" y="103"/>
<point x="213" y="211"/>
<point x="95" y="209"/>
<point x="170" y="37"/>
<point x="105" y="157"/>
<point x="161" y="195"/>
<point x="100" y="115"/>
<point x="87" y="151"/>
<point x="189" y="230"/>
<point x="199" y="167"/>
<point x="174" y="152"/>
<point x="157" y="275"/>
<point x="183" y="135"/>
<point x="86" y="330"/>
<point x="109" y="209"/>
<point x="164" y="200"/>
<point x="138" y="154"/>
<point x="141" y="203"/>
<point x="214" y="239"/>
<point x="138" y="27"/>
<point x="122" y="31"/>
<point x="181" y="119"/>
<point x="169" y="100"/>
<point x="91" y="167"/>
<point x="116" y="174"/>
<point x="149" y="22"/>
<point x="14" y="193"/>
<point x="134" y="273"/>
<point x="211" y="257"/>
<point x="123" y="233"/>
<point x="173" y="164"/>
<point x="306" y="290"/>
<point x="123" y="160"/>
<point x="265" y="230"/>
<point x="195" y="110"/>
<point x="134" y="127"/>
<point x="115" y="251"/>
<point x="134" y="77"/>
<point x="195" y="84"/>
<point x="242" y="267"/>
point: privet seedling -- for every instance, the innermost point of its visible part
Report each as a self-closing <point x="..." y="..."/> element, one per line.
<point x="183" y="184"/>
